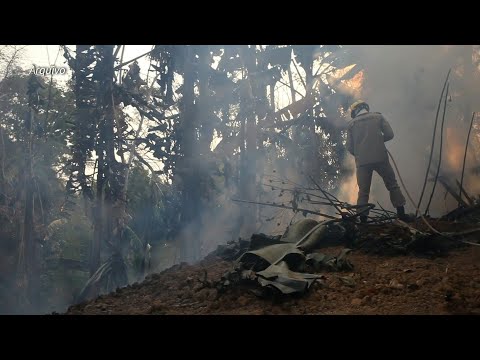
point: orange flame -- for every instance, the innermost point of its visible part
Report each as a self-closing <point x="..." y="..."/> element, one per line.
<point x="349" y="187"/>
<point x="454" y="154"/>
<point x="454" y="150"/>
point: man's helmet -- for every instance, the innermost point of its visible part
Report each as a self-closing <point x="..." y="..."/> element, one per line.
<point x="357" y="106"/>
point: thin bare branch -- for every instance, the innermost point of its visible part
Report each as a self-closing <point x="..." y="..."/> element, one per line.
<point x="132" y="60"/>
<point x="287" y="207"/>
<point x="465" y="156"/>
<point x="299" y="75"/>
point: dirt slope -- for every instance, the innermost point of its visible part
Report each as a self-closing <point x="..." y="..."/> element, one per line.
<point x="378" y="285"/>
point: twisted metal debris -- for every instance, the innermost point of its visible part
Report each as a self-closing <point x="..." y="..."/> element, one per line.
<point x="284" y="264"/>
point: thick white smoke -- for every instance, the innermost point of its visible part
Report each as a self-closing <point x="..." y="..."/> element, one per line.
<point x="404" y="83"/>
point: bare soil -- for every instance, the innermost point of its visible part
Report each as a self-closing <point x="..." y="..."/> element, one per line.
<point x="379" y="284"/>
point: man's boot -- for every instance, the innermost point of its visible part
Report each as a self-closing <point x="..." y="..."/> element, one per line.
<point x="402" y="216"/>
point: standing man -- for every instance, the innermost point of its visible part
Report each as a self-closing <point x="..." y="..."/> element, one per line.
<point x="366" y="137"/>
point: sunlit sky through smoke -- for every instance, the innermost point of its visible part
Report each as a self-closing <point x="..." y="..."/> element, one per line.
<point x="52" y="55"/>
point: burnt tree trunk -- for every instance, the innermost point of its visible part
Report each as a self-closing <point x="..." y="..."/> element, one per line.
<point x="310" y="156"/>
<point x="293" y="150"/>
<point x="190" y="194"/>
<point x="250" y="160"/>
<point x="28" y="266"/>
<point x="115" y="198"/>
<point x="84" y="141"/>
<point x="28" y="269"/>
<point x="30" y="246"/>
<point x="94" y="132"/>
<point x="227" y="166"/>
<point x="203" y="108"/>
<point x="110" y="197"/>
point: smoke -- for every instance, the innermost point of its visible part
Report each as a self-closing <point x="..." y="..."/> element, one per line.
<point x="220" y="225"/>
<point x="404" y="84"/>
